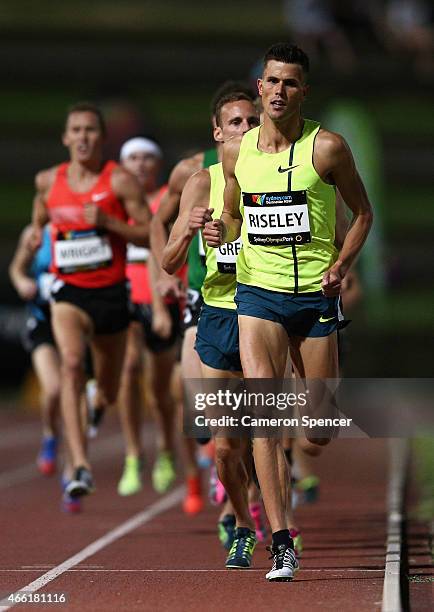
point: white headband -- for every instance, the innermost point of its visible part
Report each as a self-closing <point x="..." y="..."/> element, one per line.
<point x="140" y="145"/>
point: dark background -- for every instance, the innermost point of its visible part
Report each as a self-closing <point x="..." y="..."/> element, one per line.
<point x="153" y="68"/>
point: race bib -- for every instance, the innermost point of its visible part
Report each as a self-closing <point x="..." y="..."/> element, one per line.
<point x="226" y="256"/>
<point x="137" y="254"/>
<point x="82" y="251"/>
<point x="277" y="219"/>
<point x="45" y="283"/>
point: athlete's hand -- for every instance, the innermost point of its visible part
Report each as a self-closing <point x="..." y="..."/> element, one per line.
<point x="332" y="282"/>
<point x="93" y="215"/>
<point x="198" y="217"/>
<point x="26" y="288"/>
<point x="161" y="322"/>
<point x="214" y="233"/>
<point x="169" y="285"/>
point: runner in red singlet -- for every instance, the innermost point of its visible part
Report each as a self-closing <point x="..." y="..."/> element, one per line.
<point x="88" y="203"/>
<point x="157" y="321"/>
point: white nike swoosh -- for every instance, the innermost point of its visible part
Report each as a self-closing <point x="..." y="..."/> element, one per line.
<point x="99" y="196"/>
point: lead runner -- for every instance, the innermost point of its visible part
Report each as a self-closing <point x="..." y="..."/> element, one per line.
<point x="289" y="271"/>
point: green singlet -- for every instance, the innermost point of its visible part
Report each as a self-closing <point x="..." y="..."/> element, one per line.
<point x="196" y="254"/>
<point x="289" y="216"/>
<point x="220" y="281"/>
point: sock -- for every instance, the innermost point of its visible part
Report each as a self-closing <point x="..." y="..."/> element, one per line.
<point x="282" y="537"/>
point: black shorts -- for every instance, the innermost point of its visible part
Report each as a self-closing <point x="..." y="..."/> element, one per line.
<point x="36" y="333"/>
<point x="192" y="308"/>
<point x="143" y="314"/>
<point x="106" y="306"/>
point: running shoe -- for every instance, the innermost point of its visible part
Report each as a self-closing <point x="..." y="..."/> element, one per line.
<point x="217" y="493"/>
<point x="308" y="489"/>
<point x="70" y="505"/>
<point x="95" y="414"/>
<point x="81" y="483"/>
<point x="163" y="472"/>
<point x="193" y="501"/>
<point x="131" y="480"/>
<point x="46" y="460"/>
<point x="256" y="514"/>
<point x="240" y="554"/>
<point x="298" y="542"/>
<point x="226" y="530"/>
<point x="285" y="563"/>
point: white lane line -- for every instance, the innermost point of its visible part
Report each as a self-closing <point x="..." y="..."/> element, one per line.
<point x="26" y="473"/>
<point x="120" y="571"/>
<point x="167" y="502"/>
<point x="398" y="458"/>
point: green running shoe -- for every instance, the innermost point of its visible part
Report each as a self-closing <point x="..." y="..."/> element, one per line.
<point x="240" y="555"/>
<point x="131" y="481"/>
<point x="163" y="473"/>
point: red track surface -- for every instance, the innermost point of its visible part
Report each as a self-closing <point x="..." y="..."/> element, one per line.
<point x="175" y="562"/>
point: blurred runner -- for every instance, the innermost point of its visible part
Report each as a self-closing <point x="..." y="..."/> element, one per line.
<point x="156" y="321"/>
<point x="168" y="284"/>
<point x="30" y="274"/>
<point x="88" y="202"/>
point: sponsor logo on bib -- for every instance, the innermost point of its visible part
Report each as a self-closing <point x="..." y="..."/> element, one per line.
<point x="277" y="219"/>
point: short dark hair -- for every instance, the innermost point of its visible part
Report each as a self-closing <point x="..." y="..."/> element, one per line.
<point x="288" y="54"/>
<point x="230" y="87"/>
<point x="87" y="107"/>
<point x="235" y="96"/>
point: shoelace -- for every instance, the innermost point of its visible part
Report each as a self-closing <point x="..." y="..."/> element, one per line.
<point x="241" y="546"/>
<point x="280" y="558"/>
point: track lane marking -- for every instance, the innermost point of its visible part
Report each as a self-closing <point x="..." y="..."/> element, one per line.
<point x="167" y="502"/>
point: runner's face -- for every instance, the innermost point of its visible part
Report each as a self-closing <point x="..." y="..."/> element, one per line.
<point x="236" y="118"/>
<point x="144" y="166"/>
<point x="282" y="89"/>
<point x="83" y="136"/>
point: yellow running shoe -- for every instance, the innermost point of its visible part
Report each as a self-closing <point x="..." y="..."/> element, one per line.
<point x="163" y="473"/>
<point x="131" y="481"/>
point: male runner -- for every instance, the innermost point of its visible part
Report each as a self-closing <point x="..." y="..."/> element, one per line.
<point x="30" y="275"/>
<point x="88" y="203"/>
<point x="288" y="271"/>
<point x="155" y="320"/>
<point x="217" y="331"/>
<point x="166" y="214"/>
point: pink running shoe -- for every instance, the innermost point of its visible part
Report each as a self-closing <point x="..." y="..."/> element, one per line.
<point x="217" y="493"/>
<point x="256" y="514"/>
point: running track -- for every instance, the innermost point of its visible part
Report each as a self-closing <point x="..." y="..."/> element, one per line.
<point x="167" y="561"/>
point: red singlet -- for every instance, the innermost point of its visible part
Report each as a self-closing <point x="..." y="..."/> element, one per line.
<point x="84" y="255"/>
<point x="137" y="270"/>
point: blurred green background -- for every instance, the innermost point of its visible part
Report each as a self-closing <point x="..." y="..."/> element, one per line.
<point x="154" y="66"/>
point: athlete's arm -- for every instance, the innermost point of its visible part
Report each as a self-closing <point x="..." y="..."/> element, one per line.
<point x="342" y="221"/>
<point x="161" y="320"/>
<point x="169" y="207"/>
<point x="43" y="182"/>
<point x="228" y="227"/>
<point x="193" y="214"/>
<point x="335" y="164"/>
<point x="126" y="187"/>
<point x="18" y="269"/>
<point x="165" y="215"/>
